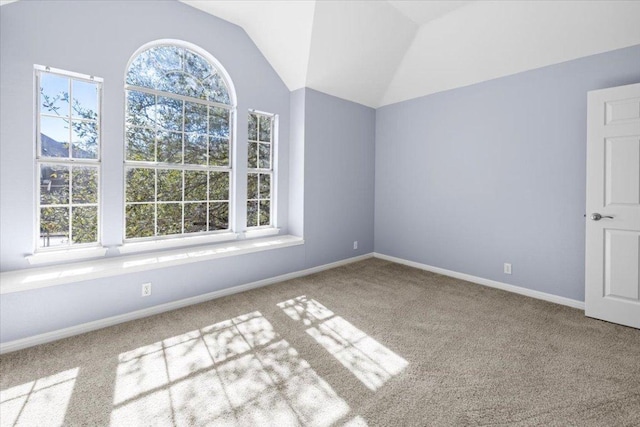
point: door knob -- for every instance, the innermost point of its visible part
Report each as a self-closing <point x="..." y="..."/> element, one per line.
<point x="597" y="217"/>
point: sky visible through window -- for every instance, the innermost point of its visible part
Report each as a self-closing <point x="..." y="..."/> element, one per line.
<point x="54" y="87"/>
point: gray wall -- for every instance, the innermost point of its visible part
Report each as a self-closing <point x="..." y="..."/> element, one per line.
<point x="340" y="156"/>
<point x="495" y="172"/>
<point x="296" y="163"/>
<point x="98" y="38"/>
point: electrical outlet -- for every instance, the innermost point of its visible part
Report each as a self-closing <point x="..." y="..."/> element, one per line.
<point x="355" y="245"/>
<point x="507" y="268"/>
<point x="146" y="289"/>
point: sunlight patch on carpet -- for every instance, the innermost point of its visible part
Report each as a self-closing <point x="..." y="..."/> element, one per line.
<point x="236" y="372"/>
<point x="371" y="362"/>
<point x="42" y="402"/>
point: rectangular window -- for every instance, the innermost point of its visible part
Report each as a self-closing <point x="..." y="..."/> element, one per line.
<point x="260" y="170"/>
<point x="177" y="165"/>
<point x="67" y="158"/>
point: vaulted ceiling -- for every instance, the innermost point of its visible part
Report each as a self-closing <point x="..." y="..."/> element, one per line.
<point x="377" y="52"/>
<point x="381" y="52"/>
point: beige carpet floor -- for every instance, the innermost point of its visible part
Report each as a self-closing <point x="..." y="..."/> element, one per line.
<point x="371" y="343"/>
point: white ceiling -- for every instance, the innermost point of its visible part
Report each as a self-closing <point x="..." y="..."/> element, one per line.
<point x="356" y="47"/>
<point x="350" y="49"/>
<point x="422" y="12"/>
<point x="281" y="30"/>
<point x="489" y="39"/>
<point x="379" y="52"/>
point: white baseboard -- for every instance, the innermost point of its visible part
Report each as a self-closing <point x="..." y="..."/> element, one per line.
<point x="111" y="321"/>
<point x="486" y="282"/>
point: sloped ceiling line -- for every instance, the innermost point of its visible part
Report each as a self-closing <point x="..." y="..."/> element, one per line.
<point x="382" y="52"/>
<point x="350" y="49"/>
<point x="356" y="47"/>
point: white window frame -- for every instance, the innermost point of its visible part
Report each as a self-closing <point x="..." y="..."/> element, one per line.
<point x="261" y="230"/>
<point x="176" y="239"/>
<point x="69" y="162"/>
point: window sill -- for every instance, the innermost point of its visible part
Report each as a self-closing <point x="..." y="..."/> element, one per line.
<point x="42" y="277"/>
<point x="261" y="232"/>
<point x="66" y="255"/>
<point x="152" y="245"/>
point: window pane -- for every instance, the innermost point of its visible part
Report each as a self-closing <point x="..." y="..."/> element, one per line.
<point x="170" y="147"/>
<point x="253" y="127"/>
<point x="140" y="185"/>
<point x="54" y="137"/>
<point x="168" y="66"/>
<point x="84" y="139"/>
<point x="252" y="214"/>
<point x="54" y="227"/>
<point x="169" y="185"/>
<point x="195" y="119"/>
<point x="252" y="156"/>
<point x="84" y="224"/>
<point x="165" y="61"/>
<point x="140" y="221"/>
<point x="197" y="66"/>
<point x="252" y="186"/>
<point x="218" y="152"/>
<point x="141" y="109"/>
<point x="218" y="186"/>
<point x="185" y="84"/>
<point x="195" y="217"/>
<point x="195" y="149"/>
<point x="265" y="186"/>
<point x="265" y="212"/>
<point x="169" y="113"/>
<point x="264" y="157"/>
<point x="177" y="70"/>
<point x="54" y="95"/>
<point x="218" y="216"/>
<point x="167" y="58"/>
<point x="169" y="218"/>
<point x="265" y="129"/>
<point x="219" y="122"/>
<point x="195" y="185"/>
<point x="54" y="185"/>
<point x="141" y="144"/>
<point x="216" y="90"/>
<point x="85" y="186"/>
<point x="141" y="72"/>
<point x="85" y="100"/>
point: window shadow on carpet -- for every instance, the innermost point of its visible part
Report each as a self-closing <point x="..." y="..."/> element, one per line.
<point x="235" y="372"/>
<point x="368" y="360"/>
<point x="38" y="403"/>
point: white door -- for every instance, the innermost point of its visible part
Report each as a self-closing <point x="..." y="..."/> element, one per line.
<point x="613" y="206"/>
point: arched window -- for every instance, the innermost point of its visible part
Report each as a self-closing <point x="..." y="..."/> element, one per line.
<point x="179" y="113"/>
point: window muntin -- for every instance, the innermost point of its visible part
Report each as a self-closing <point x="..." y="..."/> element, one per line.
<point x="67" y="158"/>
<point x="177" y="70"/>
<point x="260" y="170"/>
<point x="177" y="145"/>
